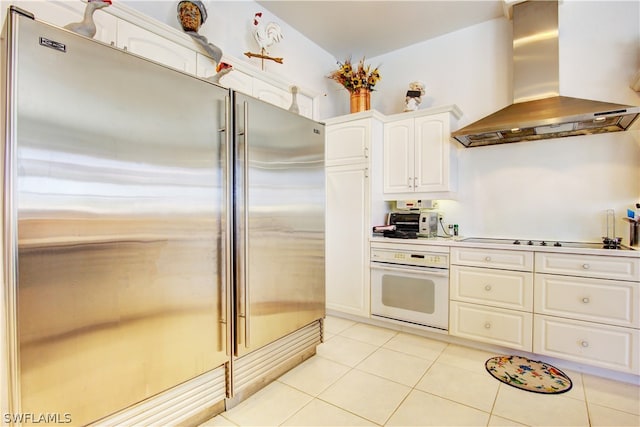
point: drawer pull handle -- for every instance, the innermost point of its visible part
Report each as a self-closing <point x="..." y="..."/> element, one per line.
<point x="487" y="258"/>
<point x="487" y="325"/>
<point x="487" y="288"/>
<point x="584" y="344"/>
<point x="586" y="266"/>
<point x="586" y="300"/>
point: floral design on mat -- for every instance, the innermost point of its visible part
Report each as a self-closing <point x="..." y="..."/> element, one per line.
<point x="529" y="375"/>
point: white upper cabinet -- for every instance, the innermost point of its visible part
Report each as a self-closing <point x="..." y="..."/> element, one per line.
<point x="282" y="98"/>
<point x="236" y="80"/>
<point x="240" y="81"/>
<point x="157" y="48"/>
<point x="61" y="13"/>
<point x="348" y="142"/>
<point x="399" y="153"/>
<point x="419" y="158"/>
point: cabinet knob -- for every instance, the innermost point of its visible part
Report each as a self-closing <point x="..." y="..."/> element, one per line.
<point x="586" y="300"/>
<point x="487" y="258"/>
<point x="586" y="266"/>
<point x="487" y="288"/>
<point x="487" y="325"/>
<point x="584" y="344"/>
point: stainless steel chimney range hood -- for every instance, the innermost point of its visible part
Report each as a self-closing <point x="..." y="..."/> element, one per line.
<point x="539" y="110"/>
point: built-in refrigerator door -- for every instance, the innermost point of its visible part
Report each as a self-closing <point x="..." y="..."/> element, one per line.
<point x="279" y="222"/>
<point x="115" y="218"/>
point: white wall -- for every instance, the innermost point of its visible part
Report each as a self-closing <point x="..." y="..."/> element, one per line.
<point x="552" y="189"/>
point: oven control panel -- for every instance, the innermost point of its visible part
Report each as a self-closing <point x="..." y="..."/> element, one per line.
<point x="405" y="257"/>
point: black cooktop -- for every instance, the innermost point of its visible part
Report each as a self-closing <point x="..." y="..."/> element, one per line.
<point x="552" y="243"/>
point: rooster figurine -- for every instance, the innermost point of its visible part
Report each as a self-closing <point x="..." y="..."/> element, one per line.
<point x="87" y="27"/>
<point x="266" y="36"/>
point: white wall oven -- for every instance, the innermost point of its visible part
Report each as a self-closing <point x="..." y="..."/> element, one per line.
<point x="411" y="286"/>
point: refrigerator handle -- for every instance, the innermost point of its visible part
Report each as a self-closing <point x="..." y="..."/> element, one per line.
<point x="226" y="283"/>
<point x="243" y="285"/>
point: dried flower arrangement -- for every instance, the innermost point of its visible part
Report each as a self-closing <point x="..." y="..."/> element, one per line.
<point x="363" y="77"/>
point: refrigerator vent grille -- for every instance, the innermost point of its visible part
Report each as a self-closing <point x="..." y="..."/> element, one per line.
<point x="255" y="366"/>
<point x="175" y="405"/>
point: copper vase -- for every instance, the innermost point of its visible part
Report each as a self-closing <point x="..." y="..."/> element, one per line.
<point x="360" y="100"/>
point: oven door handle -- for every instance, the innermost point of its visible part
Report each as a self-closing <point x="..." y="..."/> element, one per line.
<point x="441" y="272"/>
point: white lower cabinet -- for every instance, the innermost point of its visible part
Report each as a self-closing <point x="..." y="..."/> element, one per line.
<point x="611" y="302"/>
<point x="587" y="309"/>
<point x="590" y="343"/>
<point x="498" y="288"/>
<point x="491" y="293"/>
<point x="347" y="259"/>
<point x="507" y="328"/>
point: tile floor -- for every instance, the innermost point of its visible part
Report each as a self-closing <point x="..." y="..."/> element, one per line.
<point x="364" y="375"/>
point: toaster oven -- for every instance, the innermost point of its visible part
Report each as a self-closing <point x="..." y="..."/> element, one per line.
<point x="421" y="223"/>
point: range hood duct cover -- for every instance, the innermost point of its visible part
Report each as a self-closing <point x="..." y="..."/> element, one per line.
<point x="539" y="111"/>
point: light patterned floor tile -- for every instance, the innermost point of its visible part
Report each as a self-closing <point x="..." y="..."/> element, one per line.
<point x="496" y="421"/>
<point x="475" y="389"/>
<point x="424" y="409"/>
<point x="359" y="372"/>
<point x="577" y="387"/>
<point x="601" y="416"/>
<point x="320" y="414"/>
<point x="271" y="406"/>
<point x="417" y="346"/>
<point x="395" y="366"/>
<point x="218" y="421"/>
<point x="314" y="375"/>
<point x="335" y="325"/>
<point x="345" y="350"/>
<point x="539" y="409"/>
<point x="612" y="394"/>
<point x="366" y="395"/>
<point x="465" y="357"/>
<point x="369" y="334"/>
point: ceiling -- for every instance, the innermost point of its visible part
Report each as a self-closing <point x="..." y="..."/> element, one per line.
<point x="371" y="28"/>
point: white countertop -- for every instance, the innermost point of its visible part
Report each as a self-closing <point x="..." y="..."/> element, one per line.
<point x="459" y="242"/>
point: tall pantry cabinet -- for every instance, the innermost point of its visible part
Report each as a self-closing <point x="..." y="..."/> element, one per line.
<point x="354" y="205"/>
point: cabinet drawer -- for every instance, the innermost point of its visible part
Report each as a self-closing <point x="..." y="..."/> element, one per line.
<point x="498" y="288"/>
<point x="596" y="300"/>
<point x="506" y="328"/>
<point x="493" y="258"/>
<point x="608" y="347"/>
<point x="602" y="267"/>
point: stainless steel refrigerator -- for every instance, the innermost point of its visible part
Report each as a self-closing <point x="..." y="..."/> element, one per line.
<point x="149" y="219"/>
<point x="279" y="205"/>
